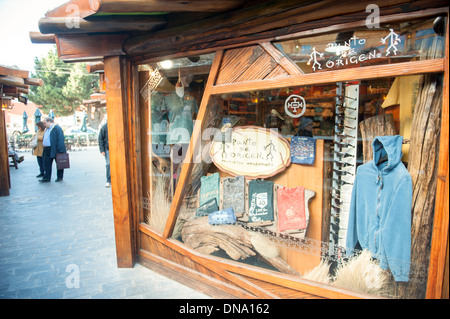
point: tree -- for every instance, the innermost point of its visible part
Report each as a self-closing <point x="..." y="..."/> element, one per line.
<point x="65" y="86"/>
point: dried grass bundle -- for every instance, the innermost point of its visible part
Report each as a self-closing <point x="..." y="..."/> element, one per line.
<point x="363" y="274"/>
<point x="160" y="205"/>
<point x="321" y="273"/>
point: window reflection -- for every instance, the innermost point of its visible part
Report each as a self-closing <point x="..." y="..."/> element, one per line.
<point x="393" y="43"/>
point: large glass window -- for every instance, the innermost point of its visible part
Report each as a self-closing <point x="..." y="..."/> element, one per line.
<point x="170" y="96"/>
<point x="331" y="182"/>
<point x="393" y="43"/>
<point x="300" y="195"/>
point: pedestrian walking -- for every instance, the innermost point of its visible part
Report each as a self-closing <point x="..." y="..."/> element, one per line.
<point x="53" y="143"/>
<point x="103" y="144"/>
<point x="39" y="149"/>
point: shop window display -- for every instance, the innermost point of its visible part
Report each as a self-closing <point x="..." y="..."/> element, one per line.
<point x="367" y="204"/>
<point x="315" y="181"/>
<point x="173" y="89"/>
<point x="393" y="43"/>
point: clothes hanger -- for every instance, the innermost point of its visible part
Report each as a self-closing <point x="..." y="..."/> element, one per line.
<point x="179" y="88"/>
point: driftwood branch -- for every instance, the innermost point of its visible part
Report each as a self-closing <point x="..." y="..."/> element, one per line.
<point x="237" y="242"/>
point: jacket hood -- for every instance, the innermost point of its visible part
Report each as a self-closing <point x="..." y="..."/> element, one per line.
<point x="390" y="146"/>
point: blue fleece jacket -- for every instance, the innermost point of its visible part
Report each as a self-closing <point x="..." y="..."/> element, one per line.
<point x="380" y="209"/>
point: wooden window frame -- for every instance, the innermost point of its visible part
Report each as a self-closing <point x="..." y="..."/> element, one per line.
<point x="440" y="65"/>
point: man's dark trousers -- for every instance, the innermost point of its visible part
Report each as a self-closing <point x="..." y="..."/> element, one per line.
<point x="48" y="162"/>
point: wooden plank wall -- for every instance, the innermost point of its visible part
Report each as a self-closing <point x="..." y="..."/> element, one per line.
<point x="256" y="62"/>
<point x="311" y="177"/>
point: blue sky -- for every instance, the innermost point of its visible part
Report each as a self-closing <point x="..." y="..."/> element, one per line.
<point x="17" y="18"/>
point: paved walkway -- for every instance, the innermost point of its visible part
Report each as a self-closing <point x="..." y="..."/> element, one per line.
<point x="57" y="239"/>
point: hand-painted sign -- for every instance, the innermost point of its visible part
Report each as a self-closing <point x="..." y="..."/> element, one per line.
<point x="350" y="53"/>
<point x="152" y="83"/>
<point x="252" y="151"/>
<point x="295" y="106"/>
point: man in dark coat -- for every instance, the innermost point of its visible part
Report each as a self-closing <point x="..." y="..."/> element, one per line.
<point x="53" y="143"/>
<point x="103" y="144"/>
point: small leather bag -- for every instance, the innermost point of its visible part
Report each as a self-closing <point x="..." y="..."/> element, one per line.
<point x="62" y="161"/>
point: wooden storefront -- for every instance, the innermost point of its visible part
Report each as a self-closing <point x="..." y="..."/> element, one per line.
<point x="14" y="84"/>
<point x="241" y="60"/>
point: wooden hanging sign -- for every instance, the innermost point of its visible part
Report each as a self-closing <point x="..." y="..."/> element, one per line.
<point x="251" y="151"/>
<point x="152" y="83"/>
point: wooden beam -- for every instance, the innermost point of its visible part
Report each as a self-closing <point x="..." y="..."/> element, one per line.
<point x="61" y="25"/>
<point x="95" y="67"/>
<point x="185" y="71"/>
<point x="37" y="37"/>
<point x="13" y="81"/>
<point x="24" y="91"/>
<point x="362" y="73"/>
<point x="290" y="67"/>
<point x="33" y="81"/>
<point x="5" y="71"/>
<point x="91" y="101"/>
<point x="116" y="82"/>
<point x="84" y="8"/>
<point x="75" y="47"/>
<point x="113" y="6"/>
<point x="98" y="96"/>
<point x="191" y="278"/>
<point x="10" y="90"/>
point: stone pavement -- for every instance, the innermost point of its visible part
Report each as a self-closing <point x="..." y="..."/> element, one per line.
<point x="57" y="239"/>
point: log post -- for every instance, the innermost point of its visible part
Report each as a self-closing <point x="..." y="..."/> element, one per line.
<point x="372" y="127"/>
<point x="4" y="159"/>
<point x="438" y="271"/>
<point x="121" y="178"/>
<point x="423" y="167"/>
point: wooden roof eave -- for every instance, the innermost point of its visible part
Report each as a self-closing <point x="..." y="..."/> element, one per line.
<point x="7" y="71"/>
<point x="63" y="25"/>
<point x="15" y="82"/>
<point x="82" y="47"/>
<point x="20" y="83"/>
<point x="86" y="8"/>
<point x="38" y="37"/>
<point x="261" y="21"/>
